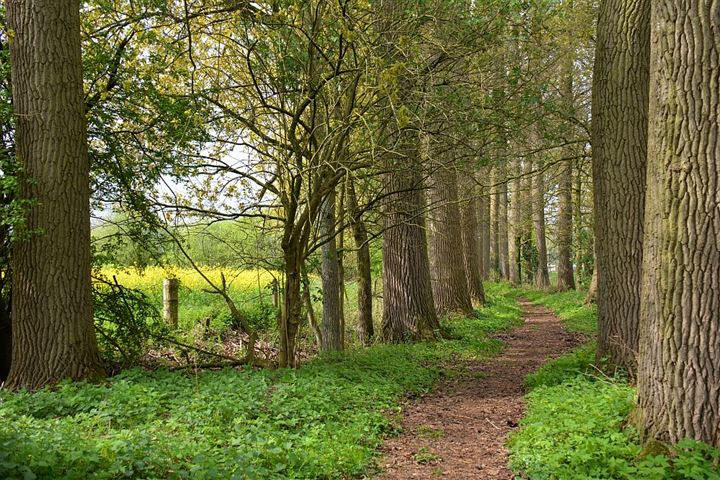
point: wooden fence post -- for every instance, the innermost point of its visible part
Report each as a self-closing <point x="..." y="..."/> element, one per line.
<point x="170" y="301"/>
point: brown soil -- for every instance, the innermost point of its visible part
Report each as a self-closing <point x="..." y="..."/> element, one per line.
<point x="459" y="431"/>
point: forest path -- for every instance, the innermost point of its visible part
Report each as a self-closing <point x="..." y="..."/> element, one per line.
<point x="459" y="430"/>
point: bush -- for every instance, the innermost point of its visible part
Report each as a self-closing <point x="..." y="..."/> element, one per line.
<point x="126" y="322"/>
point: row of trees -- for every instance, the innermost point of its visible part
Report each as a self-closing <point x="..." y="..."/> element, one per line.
<point x="306" y="120"/>
<point x="456" y="133"/>
<point x="656" y="158"/>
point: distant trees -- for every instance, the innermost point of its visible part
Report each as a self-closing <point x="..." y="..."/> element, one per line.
<point x="53" y="333"/>
<point x="678" y="375"/>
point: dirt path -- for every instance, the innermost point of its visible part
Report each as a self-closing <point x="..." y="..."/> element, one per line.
<point x="459" y="431"/>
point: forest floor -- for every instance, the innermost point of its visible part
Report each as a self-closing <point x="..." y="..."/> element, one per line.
<point x="460" y="429"/>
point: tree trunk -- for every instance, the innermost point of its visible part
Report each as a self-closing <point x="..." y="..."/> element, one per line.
<point x="312" y="318"/>
<point x="53" y="331"/>
<point x="5" y="339"/>
<point x="566" y="277"/>
<point x="484" y="230"/>
<point x="591" y="296"/>
<point x="408" y="308"/>
<point x="679" y="362"/>
<point x="366" y="331"/>
<point x="341" y="267"/>
<point x="471" y="239"/>
<point x="292" y="304"/>
<point x="542" y="277"/>
<point x="331" y="320"/>
<point x="528" y="255"/>
<point x="502" y="226"/>
<point x="514" y="225"/>
<point x="494" y="270"/>
<point x="447" y="262"/>
<point x="619" y="138"/>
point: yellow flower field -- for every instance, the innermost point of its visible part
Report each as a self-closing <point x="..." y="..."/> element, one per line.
<point x="151" y="278"/>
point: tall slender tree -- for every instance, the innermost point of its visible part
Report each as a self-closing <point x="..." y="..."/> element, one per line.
<point x="514" y="224"/>
<point x="365" y="328"/>
<point x="619" y="140"/>
<point x="53" y="332"/>
<point x="331" y="326"/>
<point x="542" y="276"/>
<point x="502" y="226"/>
<point x="566" y="277"/>
<point x="471" y="237"/>
<point x="678" y="376"/>
<point x="484" y="221"/>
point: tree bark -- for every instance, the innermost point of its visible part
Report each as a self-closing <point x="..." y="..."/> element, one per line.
<point x="591" y="296"/>
<point x="514" y="225"/>
<point x="484" y="230"/>
<point x="566" y="276"/>
<point x="679" y="374"/>
<point x="528" y="254"/>
<point x="53" y="331"/>
<point x="619" y="138"/>
<point x="494" y="270"/>
<point x="447" y="262"/>
<point x="331" y="324"/>
<point x="502" y="226"/>
<point x="408" y="308"/>
<point x="365" y="328"/>
<point x="312" y="318"/>
<point x="292" y="304"/>
<point x="542" y="277"/>
<point x="472" y="249"/>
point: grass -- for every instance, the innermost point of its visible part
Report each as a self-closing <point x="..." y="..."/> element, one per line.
<point x="324" y="420"/>
<point x="576" y="423"/>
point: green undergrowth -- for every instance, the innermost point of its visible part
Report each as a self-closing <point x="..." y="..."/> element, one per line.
<point x="324" y="420"/>
<point x="576" y="423"/>
<point x="567" y="305"/>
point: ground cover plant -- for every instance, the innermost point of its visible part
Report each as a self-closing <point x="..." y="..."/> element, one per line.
<point x="324" y="420"/>
<point x="577" y="420"/>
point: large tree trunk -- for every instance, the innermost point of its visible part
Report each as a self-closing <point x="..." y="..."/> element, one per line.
<point x="53" y="332"/>
<point x="542" y="277"/>
<point x="619" y="138"/>
<point x="472" y="250"/>
<point x="447" y="262"/>
<point x="408" y="308"/>
<point x="331" y="325"/>
<point x="566" y="277"/>
<point x="365" y="328"/>
<point x="679" y="363"/>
